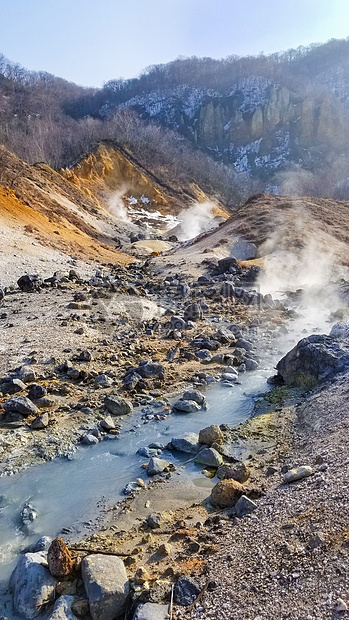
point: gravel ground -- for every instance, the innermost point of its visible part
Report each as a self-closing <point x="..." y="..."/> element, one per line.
<point x="289" y="559"/>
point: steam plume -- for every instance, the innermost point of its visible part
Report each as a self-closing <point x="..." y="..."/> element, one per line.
<point x="194" y="221"/>
<point x="116" y="205"/>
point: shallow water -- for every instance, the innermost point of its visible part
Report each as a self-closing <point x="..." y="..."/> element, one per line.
<point x="69" y="493"/>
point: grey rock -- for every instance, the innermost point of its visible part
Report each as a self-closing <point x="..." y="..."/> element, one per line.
<point x="12" y="386"/>
<point x="117" y="405"/>
<point x="41" y="421"/>
<point x="107" y="423"/>
<point x="244" y="344"/>
<point x="151" y="611"/>
<point x="42" y="544"/>
<point x="28" y="514"/>
<point x="196" y="396"/>
<point x="131" y="380"/>
<point x="228" y="376"/>
<point x="340" y="330"/>
<point x="188" y="443"/>
<point x="20" y="404"/>
<point x="193" y="312"/>
<point x="62" y="609"/>
<point x="209" y="457"/>
<point x="29" y="283"/>
<point x="153" y="521"/>
<point x="298" y="473"/>
<point x="313" y="360"/>
<point x="244" y="506"/>
<point x="148" y="452"/>
<point x="36" y="392"/>
<point x="227" y="290"/>
<point x="204" y="354"/>
<point x="103" y="381"/>
<point x="228" y="264"/>
<point x="251" y="364"/>
<point x="89" y="440"/>
<point x="151" y="371"/>
<point x="31" y="584"/>
<point x="27" y="374"/>
<point x="186" y="591"/>
<point x="178" y="323"/>
<point x="186" y="406"/>
<point x="106" y="585"/>
<point x="156" y="466"/>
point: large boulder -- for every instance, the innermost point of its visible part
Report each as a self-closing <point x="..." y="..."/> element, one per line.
<point x="151" y="611"/>
<point x="29" y="283"/>
<point x="32" y="585"/>
<point x="313" y="360"/>
<point x="106" y="585"/>
<point x="226" y="493"/>
<point x="157" y="466"/>
<point x="116" y="405"/>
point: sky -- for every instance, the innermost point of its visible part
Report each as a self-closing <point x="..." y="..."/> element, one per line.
<point x="92" y="41"/>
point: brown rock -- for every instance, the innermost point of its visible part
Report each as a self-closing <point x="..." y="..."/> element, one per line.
<point x="211" y="434"/>
<point x="141" y="575"/>
<point x="59" y="560"/>
<point x="237" y="471"/>
<point x="226" y="493"/>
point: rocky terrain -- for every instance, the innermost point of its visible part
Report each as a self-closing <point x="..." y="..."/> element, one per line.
<point x="96" y="329"/>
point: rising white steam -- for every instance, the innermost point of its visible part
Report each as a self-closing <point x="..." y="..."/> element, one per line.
<point x="116" y="205"/>
<point x="194" y="221"/>
<point x="299" y="257"/>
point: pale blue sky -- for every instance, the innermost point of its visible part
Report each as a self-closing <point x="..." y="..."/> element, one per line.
<point x="92" y="41"/>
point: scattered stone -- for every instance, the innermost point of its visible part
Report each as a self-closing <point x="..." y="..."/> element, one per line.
<point x="151" y="371"/>
<point x="29" y="283"/>
<point x="237" y="471"/>
<point x="106" y="585"/>
<point x="80" y="607"/>
<point x="103" y="381"/>
<point x="251" y="364"/>
<point x="153" y="521"/>
<point x="141" y="575"/>
<point x="186" y="591"/>
<point x="244" y="506"/>
<point x="28" y="514"/>
<point x="226" y="493"/>
<point x="196" y="396"/>
<point x="40" y="422"/>
<point x="193" y="312"/>
<point x="117" y="405"/>
<point x="89" y="440"/>
<point x="36" y="391"/>
<point x="298" y="473"/>
<point x="42" y="544"/>
<point x="209" y="457"/>
<point x="157" y="466"/>
<point x="165" y="549"/>
<point x="60" y="562"/>
<point x="26" y="374"/>
<point x="186" y="406"/>
<point x="188" y="443"/>
<point x="12" y="386"/>
<point x="210" y="434"/>
<point x="31" y="584"/>
<point x="341" y="605"/>
<point x="20" y="404"/>
<point x="63" y="609"/>
<point x="151" y="611"/>
<point x="107" y="423"/>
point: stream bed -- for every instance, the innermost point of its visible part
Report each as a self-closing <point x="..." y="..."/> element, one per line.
<point x="71" y="493"/>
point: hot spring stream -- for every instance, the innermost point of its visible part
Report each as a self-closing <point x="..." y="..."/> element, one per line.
<point x="67" y="493"/>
